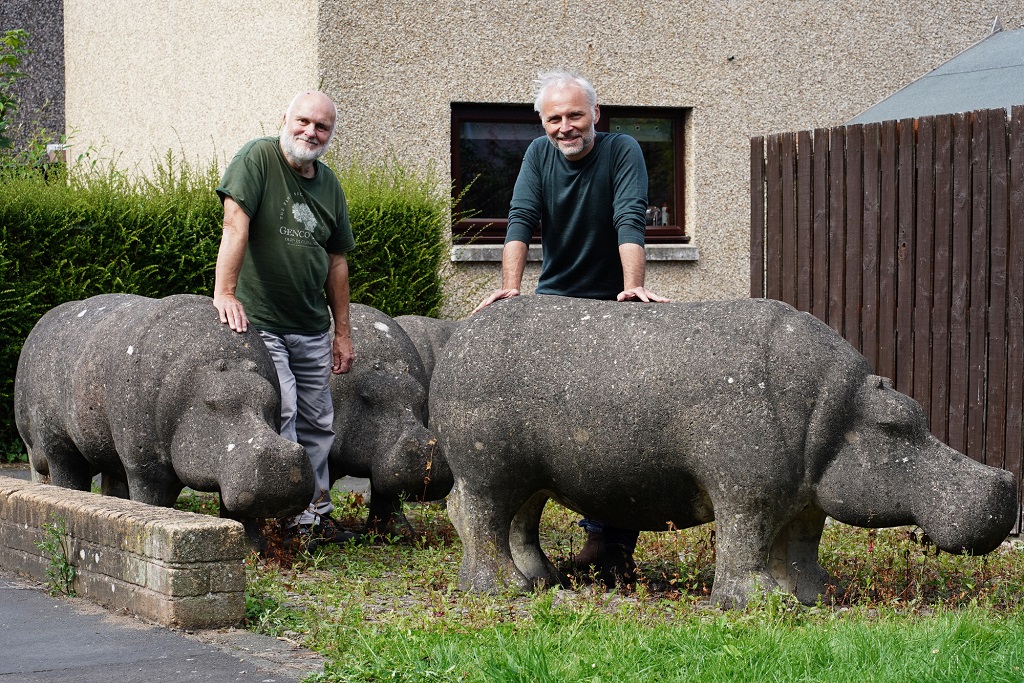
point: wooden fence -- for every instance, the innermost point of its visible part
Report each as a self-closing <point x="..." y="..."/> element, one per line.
<point x="907" y="237"/>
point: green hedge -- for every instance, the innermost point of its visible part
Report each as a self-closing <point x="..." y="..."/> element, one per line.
<point x="70" y="236"/>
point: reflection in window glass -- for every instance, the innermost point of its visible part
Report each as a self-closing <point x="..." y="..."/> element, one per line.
<point x="490" y="156"/>
<point x="655" y="138"/>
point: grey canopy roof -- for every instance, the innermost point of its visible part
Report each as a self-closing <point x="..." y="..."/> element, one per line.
<point x="988" y="75"/>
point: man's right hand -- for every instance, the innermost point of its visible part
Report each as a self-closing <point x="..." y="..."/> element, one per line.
<point x="231" y="312"/>
<point x="495" y="295"/>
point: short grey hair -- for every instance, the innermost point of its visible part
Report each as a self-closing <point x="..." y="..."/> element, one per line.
<point x="547" y="80"/>
<point x="305" y="93"/>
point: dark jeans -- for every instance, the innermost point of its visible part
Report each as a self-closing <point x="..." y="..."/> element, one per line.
<point x="612" y="534"/>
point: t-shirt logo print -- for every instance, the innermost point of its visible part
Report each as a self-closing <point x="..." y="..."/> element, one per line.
<point x="302" y="215"/>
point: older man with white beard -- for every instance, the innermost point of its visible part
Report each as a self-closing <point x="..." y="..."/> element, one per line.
<point x="282" y="267"/>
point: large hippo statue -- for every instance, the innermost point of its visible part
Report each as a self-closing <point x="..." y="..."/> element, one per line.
<point x="157" y="394"/>
<point x="379" y="421"/>
<point x="659" y="416"/>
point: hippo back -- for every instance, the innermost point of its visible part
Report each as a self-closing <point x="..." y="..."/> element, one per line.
<point x="549" y="389"/>
<point x="429" y="335"/>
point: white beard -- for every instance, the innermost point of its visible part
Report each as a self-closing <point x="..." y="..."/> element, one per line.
<point x="299" y="151"/>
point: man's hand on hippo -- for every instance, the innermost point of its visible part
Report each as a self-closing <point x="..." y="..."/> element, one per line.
<point x="495" y="296"/>
<point x="231" y="312"/>
<point x="344" y="354"/>
<point x="641" y="294"/>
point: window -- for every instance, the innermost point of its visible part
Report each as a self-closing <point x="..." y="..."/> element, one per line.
<point x="489" y="141"/>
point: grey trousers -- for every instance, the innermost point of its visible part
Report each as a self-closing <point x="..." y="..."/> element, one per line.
<point x="307" y="414"/>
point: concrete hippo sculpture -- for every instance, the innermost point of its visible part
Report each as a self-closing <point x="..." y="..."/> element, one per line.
<point x="652" y="416"/>
<point x="157" y="394"/>
<point x="379" y="421"/>
<point x="428" y="335"/>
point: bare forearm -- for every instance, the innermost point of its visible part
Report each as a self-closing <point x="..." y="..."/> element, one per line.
<point x="513" y="264"/>
<point x="230" y="257"/>
<point x="337" y="290"/>
<point x="634" y="265"/>
<point x="231" y="254"/>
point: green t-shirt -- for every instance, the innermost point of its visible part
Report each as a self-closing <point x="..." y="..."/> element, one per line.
<point x="585" y="210"/>
<point x="294" y="222"/>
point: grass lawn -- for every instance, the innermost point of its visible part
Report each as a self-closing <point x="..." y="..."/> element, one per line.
<point x="391" y="612"/>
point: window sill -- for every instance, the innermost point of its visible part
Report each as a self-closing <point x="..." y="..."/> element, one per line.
<point x="491" y="253"/>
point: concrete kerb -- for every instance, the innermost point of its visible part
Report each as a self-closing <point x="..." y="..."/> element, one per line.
<point x="167" y="566"/>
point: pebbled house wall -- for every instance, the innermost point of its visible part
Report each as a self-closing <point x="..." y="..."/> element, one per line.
<point x="41" y="92"/>
<point x="195" y="78"/>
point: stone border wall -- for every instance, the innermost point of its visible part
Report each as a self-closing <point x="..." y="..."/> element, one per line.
<point x="167" y="566"/>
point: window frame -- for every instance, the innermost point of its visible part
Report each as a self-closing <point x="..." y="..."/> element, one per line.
<point x="486" y="230"/>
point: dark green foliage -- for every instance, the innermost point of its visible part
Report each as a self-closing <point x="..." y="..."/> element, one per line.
<point x="12" y="50"/>
<point x="401" y="222"/>
<point x="66" y="237"/>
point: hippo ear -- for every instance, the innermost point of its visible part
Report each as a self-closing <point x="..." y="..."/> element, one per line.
<point x="236" y="364"/>
<point x="245" y="365"/>
<point x="881" y="404"/>
<point x="878" y="382"/>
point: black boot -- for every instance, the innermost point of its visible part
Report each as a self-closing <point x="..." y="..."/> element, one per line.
<point x="591" y="555"/>
<point x="617" y="566"/>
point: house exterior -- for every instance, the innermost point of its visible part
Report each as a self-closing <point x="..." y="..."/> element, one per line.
<point x="40" y="93"/>
<point x="201" y="78"/>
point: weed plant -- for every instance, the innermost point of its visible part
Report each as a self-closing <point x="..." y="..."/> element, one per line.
<point x="393" y="612"/>
<point x="200" y="502"/>
<point x="56" y="546"/>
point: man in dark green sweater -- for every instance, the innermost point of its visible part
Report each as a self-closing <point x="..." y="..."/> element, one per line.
<point x="589" y="192"/>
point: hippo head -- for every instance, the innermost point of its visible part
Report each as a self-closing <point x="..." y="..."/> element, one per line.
<point x="889" y="470"/>
<point x="380" y="414"/>
<point x="379" y="418"/>
<point x="227" y="441"/>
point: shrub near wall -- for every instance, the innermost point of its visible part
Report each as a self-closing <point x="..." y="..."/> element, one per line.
<point x="68" y="238"/>
<point x="402" y="225"/>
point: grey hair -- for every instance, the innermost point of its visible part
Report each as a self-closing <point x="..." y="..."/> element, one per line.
<point x="304" y="93"/>
<point x="558" y="79"/>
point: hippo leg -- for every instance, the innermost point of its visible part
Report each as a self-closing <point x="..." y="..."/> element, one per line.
<point x="483" y="523"/>
<point x="145" y="490"/>
<point x="793" y="559"/>
<point x="387" y="515"/>
<point x="524" y="542"/>
<point x="39" y="466"/>
<point x="113" y="482"/>
<point x="112" y="485"/>
<point x="256" y="541"/>
<point x="743" y="537"/>
<point x="65" y="464"/>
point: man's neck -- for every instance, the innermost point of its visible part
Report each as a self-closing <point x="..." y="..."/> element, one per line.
<point x="306" y="169"/>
